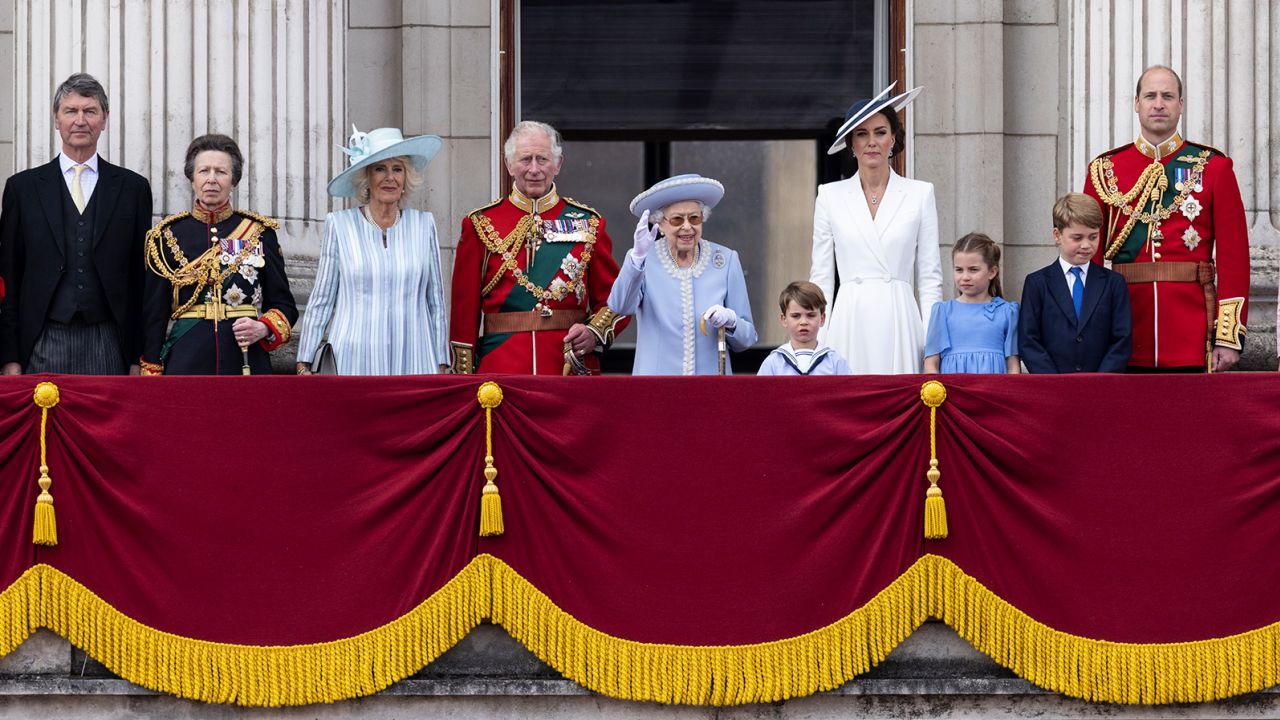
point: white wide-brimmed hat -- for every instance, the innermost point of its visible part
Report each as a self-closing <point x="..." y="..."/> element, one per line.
<point x="678" y="189"/>
<point x="863" y="109"/>
<point x="364" y="149"/>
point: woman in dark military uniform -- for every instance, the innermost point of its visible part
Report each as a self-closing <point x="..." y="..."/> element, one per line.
<point x="218" y="274"/>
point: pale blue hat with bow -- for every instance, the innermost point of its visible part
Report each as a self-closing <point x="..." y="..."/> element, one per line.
<point x="365" y="149"/>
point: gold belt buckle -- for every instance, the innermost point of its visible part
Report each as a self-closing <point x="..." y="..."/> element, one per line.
<point x="214" y="312"/>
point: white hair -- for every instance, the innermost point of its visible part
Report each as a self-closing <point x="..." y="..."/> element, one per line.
<point x="524" y="127"/>
<point x="657" y="216"/>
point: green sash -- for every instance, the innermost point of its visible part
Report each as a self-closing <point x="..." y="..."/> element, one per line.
<point x="1182" y="165"/>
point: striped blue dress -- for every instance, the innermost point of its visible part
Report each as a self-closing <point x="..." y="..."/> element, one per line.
<point x="383" y="308"/>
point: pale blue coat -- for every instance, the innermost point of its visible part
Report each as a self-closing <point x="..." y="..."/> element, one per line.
<point x="667" y="301"/>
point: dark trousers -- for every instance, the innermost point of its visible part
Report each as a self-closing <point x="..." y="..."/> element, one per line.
<point x="77" y="348"/>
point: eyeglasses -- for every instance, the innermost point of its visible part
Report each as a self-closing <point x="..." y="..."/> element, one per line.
<point x="678" y="220"/>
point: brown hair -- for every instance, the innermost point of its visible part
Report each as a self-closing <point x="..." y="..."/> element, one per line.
<point x="217" y="143"/>
<point x="986" y="248"/>
<point x="895" y="127"/>
<point x="805" y="294"/>
<point x="1076" y="209"/>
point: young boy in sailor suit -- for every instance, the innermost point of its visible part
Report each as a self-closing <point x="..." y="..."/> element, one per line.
<point x="804" y="310"/>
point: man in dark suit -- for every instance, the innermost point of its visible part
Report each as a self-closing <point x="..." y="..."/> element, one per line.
<point x="1075" y="315"/>
<point x="71" y="239"/>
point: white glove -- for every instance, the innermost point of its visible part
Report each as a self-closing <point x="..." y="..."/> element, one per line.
<point x="644" y="238"/>
<point x="720" y="316"/>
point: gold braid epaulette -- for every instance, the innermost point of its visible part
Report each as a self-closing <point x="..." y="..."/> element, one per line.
<point x="482" y="208"/>
<point x="269" y="222"/>
<point x="158" y="229"/>
<point x="582" y="206"/>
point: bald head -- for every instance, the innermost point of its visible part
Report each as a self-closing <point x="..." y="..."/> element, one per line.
<point x="1158" y="69"/>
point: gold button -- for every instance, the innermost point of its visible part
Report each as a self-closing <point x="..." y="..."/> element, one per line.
<point x="1157" y="256"/>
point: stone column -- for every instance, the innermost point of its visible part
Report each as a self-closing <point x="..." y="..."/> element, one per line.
<point x="269" y="73"/>
<point x="1229" y="57"/>
<point x="957" y="52"/>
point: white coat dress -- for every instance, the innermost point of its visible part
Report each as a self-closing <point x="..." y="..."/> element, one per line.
<point x="875" y="320"/>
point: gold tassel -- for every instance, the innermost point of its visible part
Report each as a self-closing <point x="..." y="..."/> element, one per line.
<point x="45" y="530"/>
<point x="933" y="394"/>
<point x="490" y="397"/>
<point x="935" y="508"/>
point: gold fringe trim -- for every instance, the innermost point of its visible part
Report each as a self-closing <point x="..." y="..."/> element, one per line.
<point x="17" y="618"/>
<point x="1098" y="670"/>
<point x="707" y="675"/>
<point x="1094" y="670"/>
<point x="248" y="675"/>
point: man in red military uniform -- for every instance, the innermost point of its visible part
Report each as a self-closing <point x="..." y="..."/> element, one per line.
<point x="532" y="273"/>
<point x="1169" y="204"/>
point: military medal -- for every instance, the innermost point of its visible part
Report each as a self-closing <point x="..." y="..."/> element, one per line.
<point x="1191" y="208"/>
<point x="1191" y="238"/>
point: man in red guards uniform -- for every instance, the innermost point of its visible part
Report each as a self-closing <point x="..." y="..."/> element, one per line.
<point x="532" y="272"/>
<point x="1169" y="204"/>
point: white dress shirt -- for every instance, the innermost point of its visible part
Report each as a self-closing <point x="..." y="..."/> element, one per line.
<point x="1071" y="279"/>
<point x="88" y="177"/>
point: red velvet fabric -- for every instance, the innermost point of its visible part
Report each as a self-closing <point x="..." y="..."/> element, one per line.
<point x="705" y="511"/>
<point x="19" y="470"/>
<point x="696" y="511"/>
<point x="265" y="511"/>
<point x="1126" y="508"/>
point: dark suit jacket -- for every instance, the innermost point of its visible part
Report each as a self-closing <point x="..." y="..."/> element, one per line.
<point x="31" y="247"/>
<point x="1050" y="340"/>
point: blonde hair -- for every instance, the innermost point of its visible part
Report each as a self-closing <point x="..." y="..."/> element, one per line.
<point x="360" y="180"/>
<point x="1076" y="209"/>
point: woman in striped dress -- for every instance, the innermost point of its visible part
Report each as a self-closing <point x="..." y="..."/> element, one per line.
<point x="379" y="293"/>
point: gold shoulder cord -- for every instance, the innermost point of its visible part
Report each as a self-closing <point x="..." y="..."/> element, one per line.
<point x="200" y="272"/>
<point x="1148" y="190"/>
<point x="510" y="246"/>
<point x="507" y="247"/>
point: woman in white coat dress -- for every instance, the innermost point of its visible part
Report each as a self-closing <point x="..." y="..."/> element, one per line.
<point x="871" y="231"/>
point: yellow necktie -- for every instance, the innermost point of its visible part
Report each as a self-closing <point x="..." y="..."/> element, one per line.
<point x="77" y="193"/>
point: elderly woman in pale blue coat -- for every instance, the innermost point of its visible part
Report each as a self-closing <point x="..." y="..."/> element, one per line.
<point x="681" y="287"/>
<point x="379" y="292"/>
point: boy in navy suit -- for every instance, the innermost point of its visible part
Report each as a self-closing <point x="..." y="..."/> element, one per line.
<point x="1075" y="315"/>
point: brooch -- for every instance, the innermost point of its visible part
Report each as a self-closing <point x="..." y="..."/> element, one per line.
<point x="1191" y="208"/>
<point x="1191" y="239"/>
<point x="718" y="260"/>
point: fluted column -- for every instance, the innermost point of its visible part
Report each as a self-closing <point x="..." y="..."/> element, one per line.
<point x="1228" y="54"/>
<point x="269" y="73"/>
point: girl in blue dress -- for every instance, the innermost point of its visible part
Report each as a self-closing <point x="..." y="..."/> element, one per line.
<point x="977" y="332"/>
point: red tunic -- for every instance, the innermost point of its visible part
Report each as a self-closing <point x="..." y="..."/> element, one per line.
<point x="1170" y="320"/>
<point x="564" y="262"/>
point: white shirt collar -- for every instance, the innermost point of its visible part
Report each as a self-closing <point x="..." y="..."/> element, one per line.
<point x="1066" y="268"/>
<point x="67" y="163"/>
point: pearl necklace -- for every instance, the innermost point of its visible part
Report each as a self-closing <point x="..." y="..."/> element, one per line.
<point x="368" y="214"/>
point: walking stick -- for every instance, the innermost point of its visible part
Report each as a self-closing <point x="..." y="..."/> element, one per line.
<point x="722" y="348"/>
